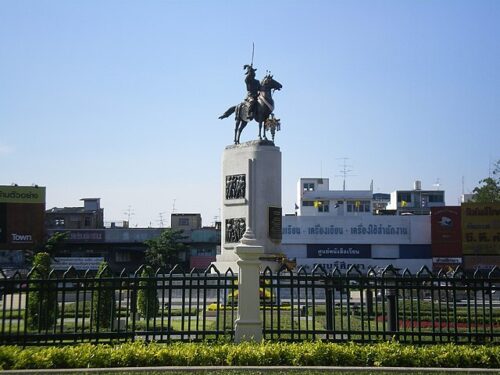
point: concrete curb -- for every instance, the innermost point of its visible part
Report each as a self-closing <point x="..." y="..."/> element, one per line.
<point x="254" y="368"/>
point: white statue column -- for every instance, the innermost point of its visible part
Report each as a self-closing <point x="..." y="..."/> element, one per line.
<point x="248" y="325"/>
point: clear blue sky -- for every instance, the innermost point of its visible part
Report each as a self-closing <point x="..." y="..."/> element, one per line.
<point x="120" y="99"/>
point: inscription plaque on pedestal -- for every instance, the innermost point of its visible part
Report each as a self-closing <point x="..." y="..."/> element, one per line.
<point x="275" y="223"/>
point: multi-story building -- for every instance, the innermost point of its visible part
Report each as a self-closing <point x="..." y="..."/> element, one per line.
<point x="314" y="198"/>
<point x="340" y="229"/>
<point x="88" y="242"/>
<point x="416" y="201"/>
<point x="90" y="216"/>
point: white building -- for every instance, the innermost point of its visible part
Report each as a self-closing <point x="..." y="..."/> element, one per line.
<point x="416" y="201"/>
<point x="340" y="228"/>
<point x="314" y="198"/>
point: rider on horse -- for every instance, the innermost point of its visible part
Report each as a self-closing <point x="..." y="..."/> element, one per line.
<point x="253" y="87"/>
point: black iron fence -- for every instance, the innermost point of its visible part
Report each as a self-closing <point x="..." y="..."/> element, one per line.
<point x="381" y="305"/>
<point x="372" y="306"/>
<point x="73" y="308"/>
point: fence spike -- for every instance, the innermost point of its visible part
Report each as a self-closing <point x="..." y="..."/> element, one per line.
<point x="70" y="269"/>
<point x="139" y="270"/>
<point x="302" y="270"/>
<point x="319" y="267"/>
<point x="407" y="272"/>
<point x="336" y="272"/>
<point x="494" y="270"/>
<point x="353" y="268"/>
<point x="458" y="272"/>
<point x="424" y="271"/>
<point x="210" y="269"/>
<point x="268" y="270"/>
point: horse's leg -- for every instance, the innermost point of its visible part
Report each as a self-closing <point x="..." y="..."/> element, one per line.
<point x="260" y="130"/>
<point x="236" y="127"/>
<point x="242" y="126"/>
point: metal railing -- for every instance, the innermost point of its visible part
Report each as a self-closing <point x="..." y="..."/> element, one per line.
<point x="380" y="305"/>
<point x="374" y="306"/>
<point x="73" y="308"/>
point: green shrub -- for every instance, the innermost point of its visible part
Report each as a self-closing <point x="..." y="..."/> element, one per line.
<point x="42" y="307"/>
<point x="103" y="298"/>
<point x="147" y="298"/>
<point x="250" y="354"/>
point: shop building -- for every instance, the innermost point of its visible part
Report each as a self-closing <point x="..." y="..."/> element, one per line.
<point x="21" y="223"/>
<point x="340" y="229"/>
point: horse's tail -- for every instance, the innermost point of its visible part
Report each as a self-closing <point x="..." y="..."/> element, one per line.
<point x="228" y="113"/>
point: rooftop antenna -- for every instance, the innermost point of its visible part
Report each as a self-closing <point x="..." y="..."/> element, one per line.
<point x="161" y="219"/>
<point x="129" y="212"/>
<point x="345" y="171"/>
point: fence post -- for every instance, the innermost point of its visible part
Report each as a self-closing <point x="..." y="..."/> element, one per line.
<point x="248" y="325"/>
<point x="392" y="311"/>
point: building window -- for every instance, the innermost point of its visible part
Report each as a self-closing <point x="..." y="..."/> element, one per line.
<point x="88" y="221"/>
<point x="308" y="186"/>
<point x="307" y="203"/>
<point x="203" y="252"/>
<point x="358" y="206"/>
<point x="436" y="198"/>
<point x="324" y="207"/>
<point x="59" y="222"/>
<point x="406" y="197"/>
<point x="183" y="221"/>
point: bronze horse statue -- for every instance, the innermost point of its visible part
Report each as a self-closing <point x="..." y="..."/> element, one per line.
<point x="263" y="108"/>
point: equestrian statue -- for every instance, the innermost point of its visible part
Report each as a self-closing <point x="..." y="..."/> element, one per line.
<point x="258" y="105"/>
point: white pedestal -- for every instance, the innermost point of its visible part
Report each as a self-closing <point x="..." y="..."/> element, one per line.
<point x="251" y="197"/>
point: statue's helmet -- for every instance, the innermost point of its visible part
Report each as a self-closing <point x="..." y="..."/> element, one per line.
<point x="250" y="69"/>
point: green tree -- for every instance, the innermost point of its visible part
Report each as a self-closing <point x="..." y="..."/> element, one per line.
<point x="50" y="246"/>
<point x="147" y="298"/>
<point x="164" y="250"/>
<point x="54" y="242"/>
<point x="103" y="304"/>
<point x="489" y="191"/>
<point x="42" y="297"/>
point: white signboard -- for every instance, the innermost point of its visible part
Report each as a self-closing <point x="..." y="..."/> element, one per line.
<point x="445" y="260"/>
<point x="357" y="229"/>
<point x="79" y="263"/>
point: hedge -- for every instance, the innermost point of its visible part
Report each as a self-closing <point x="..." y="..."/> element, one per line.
<point x="247" y="354"/>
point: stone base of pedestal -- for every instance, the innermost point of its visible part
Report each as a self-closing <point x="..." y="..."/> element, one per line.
<point x="247" y="331"/>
